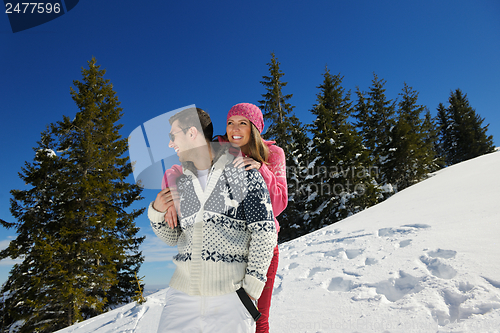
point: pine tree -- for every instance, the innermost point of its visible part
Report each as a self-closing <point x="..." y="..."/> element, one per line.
<point x="342" y="180"/>
<point x="375" y="115"/>
<point x="297" y="161"/>
<point x="78" y="244"/>
<point x="444" y="133"/>
<point x="410" y="151"/>
<point x="375" y="121"/>
<point x="431" y="140"/>
<point x="290" y="135"/>
<point x="471" y="139"/>
<point x="275" y="106"/>
<point x="461" y="133"/>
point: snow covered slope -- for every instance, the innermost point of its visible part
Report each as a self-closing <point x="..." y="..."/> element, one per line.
<point x="129" y="318"/>
<point x="426" y="260"/>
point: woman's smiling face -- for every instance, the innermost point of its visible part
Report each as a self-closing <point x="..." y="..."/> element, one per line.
<point x="238" y="130"/>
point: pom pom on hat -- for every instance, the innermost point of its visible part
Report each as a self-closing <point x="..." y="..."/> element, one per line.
<point x="249" y="111"/>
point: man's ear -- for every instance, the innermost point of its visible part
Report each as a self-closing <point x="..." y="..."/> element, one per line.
<point x="192" y="132"/>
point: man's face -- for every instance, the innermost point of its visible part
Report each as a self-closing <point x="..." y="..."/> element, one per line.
<point x="180" y="143"/>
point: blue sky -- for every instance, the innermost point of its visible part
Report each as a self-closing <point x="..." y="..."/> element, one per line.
<point x="161" y="56"/>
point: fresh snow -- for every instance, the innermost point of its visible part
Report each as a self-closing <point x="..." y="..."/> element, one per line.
<point x="425" y="260"/>
<point x="48" y="152"/>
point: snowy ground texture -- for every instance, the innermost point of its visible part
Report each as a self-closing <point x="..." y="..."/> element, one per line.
<point x="426" y="260"/>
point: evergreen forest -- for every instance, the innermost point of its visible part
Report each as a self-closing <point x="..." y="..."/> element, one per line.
<point x="362" y="147"/>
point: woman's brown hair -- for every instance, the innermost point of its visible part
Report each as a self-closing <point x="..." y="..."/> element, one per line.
<point x="256" y="148"/>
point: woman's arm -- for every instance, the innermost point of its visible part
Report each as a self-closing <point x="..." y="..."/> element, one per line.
<point x="169" y="181"/>
<point x="171" y="176"/>
<point x="277" y="189"/>
<point x="274" y="175"/>
<point x="156" y="219"/>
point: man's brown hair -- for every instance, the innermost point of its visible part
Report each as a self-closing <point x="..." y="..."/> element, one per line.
<point x="194" y="118"/>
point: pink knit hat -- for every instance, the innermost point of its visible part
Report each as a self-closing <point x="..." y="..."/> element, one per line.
<point x="249" y="111"/>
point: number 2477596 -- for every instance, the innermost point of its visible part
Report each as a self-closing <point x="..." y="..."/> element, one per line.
<point x="33" y="8"/>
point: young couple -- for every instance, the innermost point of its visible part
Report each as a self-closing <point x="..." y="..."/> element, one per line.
<point x="220" y="210"/>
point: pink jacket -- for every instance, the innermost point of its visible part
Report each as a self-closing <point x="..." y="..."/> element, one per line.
<point x="274" y="174"/>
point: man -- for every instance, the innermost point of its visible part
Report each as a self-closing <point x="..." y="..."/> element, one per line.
<point x="225" y="237"/>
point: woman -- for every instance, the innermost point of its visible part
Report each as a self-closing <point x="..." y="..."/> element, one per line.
<point x="243" y="128"/>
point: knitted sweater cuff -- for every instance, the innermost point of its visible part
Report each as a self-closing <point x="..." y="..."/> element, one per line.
<point x="154" y="215"/>
<point x="253" y="286"/>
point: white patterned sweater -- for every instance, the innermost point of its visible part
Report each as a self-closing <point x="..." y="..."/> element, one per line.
<point x="226" y="235"/>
